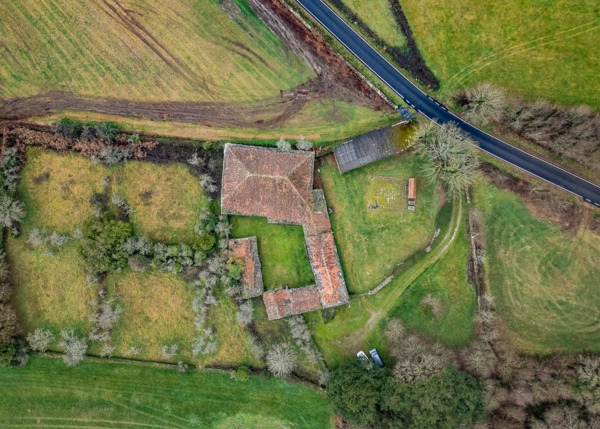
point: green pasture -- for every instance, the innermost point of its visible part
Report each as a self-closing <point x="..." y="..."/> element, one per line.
<point x="282" y="251"/>
<point x="544" y="279"/>
<point x="115" y="395"/>
<point x="534" y="49"/>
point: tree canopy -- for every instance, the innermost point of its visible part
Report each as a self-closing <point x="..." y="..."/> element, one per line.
<point x="447" y="400"/>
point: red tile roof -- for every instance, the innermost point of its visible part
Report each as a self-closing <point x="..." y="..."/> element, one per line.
<point x="325" y="263"/>
<point x="246" y="250"/>
<point x="268" y="183"/>
<point x="278" y="185"/>
<point x="287" y="302"/>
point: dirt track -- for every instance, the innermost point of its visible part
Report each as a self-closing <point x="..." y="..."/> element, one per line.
<point x="336" y="80"/>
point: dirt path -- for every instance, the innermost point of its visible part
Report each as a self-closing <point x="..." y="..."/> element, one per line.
<point x="358" y="338"/>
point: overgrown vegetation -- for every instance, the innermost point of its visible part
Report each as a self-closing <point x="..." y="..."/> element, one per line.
<point x="570" y="132"/>
<point x="369" y="396"/>
<point x="449" y="156"/>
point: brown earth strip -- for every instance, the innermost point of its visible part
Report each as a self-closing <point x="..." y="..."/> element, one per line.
<point x="336" y="80"/>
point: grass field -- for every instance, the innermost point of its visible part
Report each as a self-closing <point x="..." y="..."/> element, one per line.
<point x="544" y="279"/>
<point x="281" y="248"/>
<point x="145" y="52"/>
<point x="157" y="311"/>
<point x="372" y="241"/>
<point x="377" y="14"/>
<point x="446" y="280"/>
<point x="46" y="393"/>
<point x="536" y="49"/>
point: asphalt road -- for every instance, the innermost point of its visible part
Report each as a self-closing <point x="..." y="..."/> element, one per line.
<point x="433" y="110"/>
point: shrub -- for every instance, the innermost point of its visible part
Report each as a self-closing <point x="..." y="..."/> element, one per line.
<point x="169" y="352"/>
<point x="303" y="144"/>
<point x="245" y="314"/>
<point x="113" y="155"/>
<point x="74" y="347"/>
<point x="102" y="243"/>
<point x="283" y="145"/>
<point x="281" y="360"/>
<point x="242" y="374"/>
<point x="67" y="127"/>
<point x="40" y="339"/>
<point x="7" y="354"/>
<point x="106" y="131"/>
<point x="12" y="211"/>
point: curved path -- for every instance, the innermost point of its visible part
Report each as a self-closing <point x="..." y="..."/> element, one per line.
<point x="433" y="110"/>
<point x="357" y="339"/>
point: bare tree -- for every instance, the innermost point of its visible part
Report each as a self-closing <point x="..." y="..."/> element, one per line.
<point x="40" y="339"/>
<point x="283" y="145"/>
<point x="485" y="102"/>
<point x="245" y="314"/>
<point x="281" y="360"/>
<point x="75" y="347"/>
<point x="449" y="156"/>
<point x="434" y="303"/>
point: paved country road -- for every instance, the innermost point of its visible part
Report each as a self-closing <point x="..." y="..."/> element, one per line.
<point x="435" y="111"/>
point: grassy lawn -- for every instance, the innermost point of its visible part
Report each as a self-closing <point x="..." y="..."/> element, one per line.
<point x="446" y="280"/>
<point x="51" y="291"/>
<point x="166" y="200"/>
<point x="119" y="395"/>
<point x="544" y="279"/>
<point x="534" y="49"/>
<point x="377" y="14"/>
<point x="373" y="228"/>
<point x="281" y="248"/>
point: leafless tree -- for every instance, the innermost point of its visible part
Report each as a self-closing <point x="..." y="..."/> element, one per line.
<point x="40" y="339"/>
<point x="281" y="360"/>
<point x="74" y="347"/>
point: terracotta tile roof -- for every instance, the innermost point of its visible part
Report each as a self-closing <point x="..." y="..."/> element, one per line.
<point x="278" y="185"/>
<point x="268" y="183"/>
<point x="288" y="302"/>
<point x="325" y="263"/>
<point x="246" y="250"/>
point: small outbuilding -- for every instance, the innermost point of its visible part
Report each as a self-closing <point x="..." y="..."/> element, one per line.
<point x="412" y="193"/>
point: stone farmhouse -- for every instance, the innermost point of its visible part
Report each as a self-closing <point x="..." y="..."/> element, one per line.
<point x="278" y="185"/>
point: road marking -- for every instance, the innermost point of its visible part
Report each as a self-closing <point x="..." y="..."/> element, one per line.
<point x="589" y="201"/>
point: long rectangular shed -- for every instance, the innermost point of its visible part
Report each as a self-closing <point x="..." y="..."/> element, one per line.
<point x="365" y="149"/>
